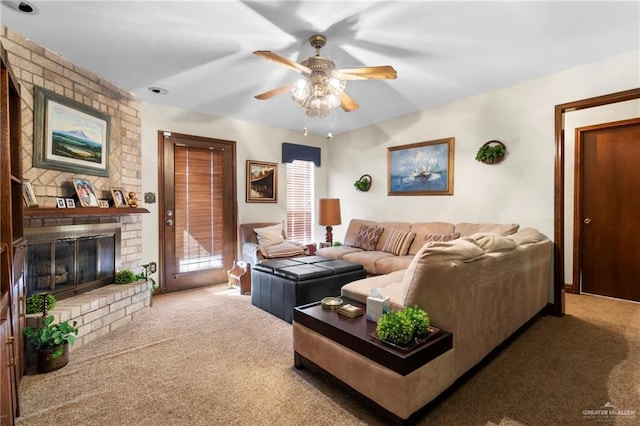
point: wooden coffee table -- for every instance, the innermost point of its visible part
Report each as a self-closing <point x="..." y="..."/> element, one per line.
<point x="356" y="335"/>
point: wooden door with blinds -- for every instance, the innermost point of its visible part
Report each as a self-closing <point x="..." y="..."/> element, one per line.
<point x="198" y="215"/>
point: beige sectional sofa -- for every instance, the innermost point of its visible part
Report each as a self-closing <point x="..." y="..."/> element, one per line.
<point x="378" y="261"/>
<point x="482" y="287"/>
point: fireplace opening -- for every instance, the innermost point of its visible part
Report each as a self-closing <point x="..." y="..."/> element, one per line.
<point x="72" y="259"/>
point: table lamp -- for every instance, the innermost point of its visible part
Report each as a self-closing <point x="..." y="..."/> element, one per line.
<point x="329" y="215"/>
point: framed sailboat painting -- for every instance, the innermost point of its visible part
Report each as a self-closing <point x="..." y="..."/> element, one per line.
<point x="423" y="168"/>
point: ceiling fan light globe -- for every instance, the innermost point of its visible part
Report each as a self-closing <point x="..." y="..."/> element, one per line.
<point x="300" y="90"/>
<point x="332" y="100"/>
<point x="317" y="112"/>
<point x="336" y="85"/>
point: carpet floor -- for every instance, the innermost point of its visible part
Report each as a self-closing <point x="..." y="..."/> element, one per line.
<point x="209" y="357"/>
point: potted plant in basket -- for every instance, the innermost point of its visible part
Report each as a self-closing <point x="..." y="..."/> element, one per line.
<point x="491" y="152"/>
<point x="52" y="343"/>
<point x="364" y="183"/>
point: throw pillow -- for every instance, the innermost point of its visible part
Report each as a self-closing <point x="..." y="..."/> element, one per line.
<point x="399" y="242"/>
<point x="441" y="237"/>
<point x="269" y="235"/>
<point x="367" y="237"/>
<point x="283" y="249"/>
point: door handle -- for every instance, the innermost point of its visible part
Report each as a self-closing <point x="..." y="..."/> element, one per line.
<point x="587" y="221"/>
<point x="169" y="222"/>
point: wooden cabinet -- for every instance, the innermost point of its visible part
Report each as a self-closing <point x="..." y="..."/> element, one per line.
<point x="12" y="290"/>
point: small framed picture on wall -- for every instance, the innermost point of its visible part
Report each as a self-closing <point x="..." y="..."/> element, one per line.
<point x="262" y="182"/>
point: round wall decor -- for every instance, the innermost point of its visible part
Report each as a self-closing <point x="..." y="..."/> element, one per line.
<point x="491" y="152"/>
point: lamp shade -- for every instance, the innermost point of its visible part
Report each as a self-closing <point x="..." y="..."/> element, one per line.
<point x="329" y="212"/>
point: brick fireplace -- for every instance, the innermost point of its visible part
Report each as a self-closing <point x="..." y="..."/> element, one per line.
<point x="66" y="260"/>
<point x="76" y="261"/>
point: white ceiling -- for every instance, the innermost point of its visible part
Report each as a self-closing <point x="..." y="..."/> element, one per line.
<point x="443" y="51"/>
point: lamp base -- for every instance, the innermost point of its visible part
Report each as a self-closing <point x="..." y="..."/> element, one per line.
<point x="329" y="235"/>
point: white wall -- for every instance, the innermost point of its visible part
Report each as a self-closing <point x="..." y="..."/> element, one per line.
<point x="520" y="189"/>
<point x="253" y="142"/>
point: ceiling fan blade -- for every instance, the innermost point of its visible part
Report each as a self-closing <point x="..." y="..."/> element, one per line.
<point x="383" y="72"/>
<point x="347" y="103"/>
<point x="281" y="60"/>
<point x="274" y="92"/>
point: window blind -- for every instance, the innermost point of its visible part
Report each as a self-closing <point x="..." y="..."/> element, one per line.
<point x="198" y="208"/>
<point x="300" y="200"/>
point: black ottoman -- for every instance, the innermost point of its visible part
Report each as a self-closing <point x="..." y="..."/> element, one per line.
<point x="279" y="285"/>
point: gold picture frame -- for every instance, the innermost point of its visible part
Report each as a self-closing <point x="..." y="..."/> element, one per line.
<point x="262" y="182"/>
<point x="28" y="194"/>
<point x="119" y="197"/>
<point x="423" y="168"/>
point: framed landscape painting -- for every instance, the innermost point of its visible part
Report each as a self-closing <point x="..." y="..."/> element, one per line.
<point x="69" y="136"/>
<point x="262" y="182"/>
<point x="424" y="168"/>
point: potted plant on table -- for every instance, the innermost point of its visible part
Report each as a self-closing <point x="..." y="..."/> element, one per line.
<point x="52" y="343"/>
<point x="404" y="328"/>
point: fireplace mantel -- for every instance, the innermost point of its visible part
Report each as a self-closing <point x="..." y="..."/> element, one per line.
<point x="82" y="211"/>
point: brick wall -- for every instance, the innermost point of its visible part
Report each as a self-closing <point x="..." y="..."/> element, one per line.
<point x="34" y="65"/>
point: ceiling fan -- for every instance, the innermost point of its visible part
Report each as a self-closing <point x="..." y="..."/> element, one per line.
<point x="322" y="86"/>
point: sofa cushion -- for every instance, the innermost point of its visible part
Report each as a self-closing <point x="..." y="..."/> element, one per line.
<point x="367" y="237"/>
<point x="527" y="236"/>
<point x="269" y="235"/>
<point x="491" y="243"/>
<point x="393" y="263"/>
<point x="367" y="259"/>
<point x="359" y="290"/>
<point x="399" y="242"/>
<point x="353" y="228"/>
<point x="389" y="227"/>
<point x="461" y="250"/>
<point x="466" y="229"/>
<point x="441" y="237"/>
<point x="336" y="252"/>
<point x="423" y="229"/>
<point x="283" y="249"/>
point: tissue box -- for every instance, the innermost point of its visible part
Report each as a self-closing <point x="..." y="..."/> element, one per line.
<point x="376" y="306"/>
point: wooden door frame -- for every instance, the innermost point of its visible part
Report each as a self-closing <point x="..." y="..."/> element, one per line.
<point x="558" y="221"/>
<point x="161" y="191"/>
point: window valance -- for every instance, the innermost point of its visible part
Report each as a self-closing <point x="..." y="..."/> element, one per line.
<point x="292" y="151"/>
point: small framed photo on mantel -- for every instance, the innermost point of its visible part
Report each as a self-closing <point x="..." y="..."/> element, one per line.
<point x="119" y="198"/>
<point x="28" y="194"/>
<point x="85" y="192"/>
